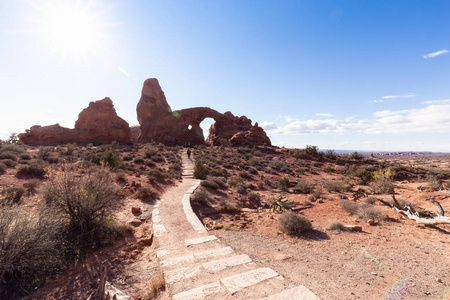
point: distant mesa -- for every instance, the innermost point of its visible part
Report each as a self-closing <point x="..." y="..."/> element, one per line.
<point x="99" y="123"/>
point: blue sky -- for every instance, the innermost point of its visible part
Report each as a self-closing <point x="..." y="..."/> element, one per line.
<point x="361" y="75"/>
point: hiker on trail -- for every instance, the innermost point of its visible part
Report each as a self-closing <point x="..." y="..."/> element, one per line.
<point x="189" y="153"/>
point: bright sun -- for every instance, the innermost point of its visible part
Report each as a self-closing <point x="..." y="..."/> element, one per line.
<point x="72" y="29"/>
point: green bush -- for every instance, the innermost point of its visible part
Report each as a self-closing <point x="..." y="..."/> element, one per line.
<point x="382" y="181"/>
<point x="292" y="223"/>
<point x="111" y="159"/>
<point x="200" y="170"/>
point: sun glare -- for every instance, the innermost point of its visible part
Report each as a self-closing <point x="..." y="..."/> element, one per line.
<point x="72" y="29"/>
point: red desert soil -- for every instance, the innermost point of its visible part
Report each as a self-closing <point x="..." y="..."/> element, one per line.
<point x="395" y="259"/>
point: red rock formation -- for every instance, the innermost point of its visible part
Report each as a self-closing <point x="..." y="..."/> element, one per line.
<point x="159" y="124"/>
<point x="48" y="135"/>
<point x="98" y="123"/>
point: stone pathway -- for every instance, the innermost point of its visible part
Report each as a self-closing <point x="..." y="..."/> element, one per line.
<point x="197" y="265"/>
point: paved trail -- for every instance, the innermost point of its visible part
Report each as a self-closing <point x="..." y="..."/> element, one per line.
<point x="197" y="265"/>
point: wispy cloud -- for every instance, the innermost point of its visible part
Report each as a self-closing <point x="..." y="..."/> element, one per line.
<point x="434" y="117"/>
<point x="377" y="101"/>
<point x="434" y="54"/>
<point x="324" y="115"/>
<point x="410" y="95"/>
<point x="124" y="72"/>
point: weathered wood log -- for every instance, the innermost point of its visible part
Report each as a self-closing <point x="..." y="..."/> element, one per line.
<point x="409" y="212"/>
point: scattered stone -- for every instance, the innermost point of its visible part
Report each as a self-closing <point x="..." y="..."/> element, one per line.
<point x="136" y="210"/>
<point x="353" y="227"/>
<point x="136" y="222"/>
<point x="279" y="256"/>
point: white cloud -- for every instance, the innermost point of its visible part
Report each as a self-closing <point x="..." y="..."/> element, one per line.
<point x="324" y="115"/>
<point x="442" y="101"/>
<point x="433" y="118"/>
<point x="434" y="54"/>
<point x="376" y="101"/>
<point x="399" y="96"/>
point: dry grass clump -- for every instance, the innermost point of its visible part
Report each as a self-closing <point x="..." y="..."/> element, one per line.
<point x="145" y="193"/>
<point x="209" y="184"/>
<point x="369" y="212"/>
<point x="336" y="225"/>
<point x="304" y="187"/>
<point x="29" y="250"/>
<point x="278" y="165"/>
<point x="11" y="195"/>
<point x="382" y="181"/>
<point x="155" y="285"/>
<point x="337" y="186"/>
<point x="227" y="207"/>
<point x="292" y="223"/>
<point x="349" y="206"/>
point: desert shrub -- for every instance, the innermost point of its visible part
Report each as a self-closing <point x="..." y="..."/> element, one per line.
<point x="45" y="152"/>
<point x="220" y="181"/>
<point x="154" y="286"/>
<point x="278" y="165"/>
<point x="121" y="177"/>
<point x="370" y="200"/>
<point x="52" y="159"/>
<point x="145" y="193"/>
<point x="209" y="184"/>
<point x="92" y="158"/>
<point x="234" y="181"/>
<point x="241" y="188"/>
<point x="312" y="150"/>
<point x="356" y="156"/>
<point x="12" y="195"/>
<point x="111" y="159"/>
<point x="382" y="181"/>
<point x="85" y="203"/>
<point x="2" y="168"/>
<point x="368" y="211"/>
<point x="297" y="153"/>
<point x="434" y="183"/>
<point x="158" y="158"/>
<point x="200" y="170"/>
<point x="244" y="174"/>
<point x="150" y="163"/>
<point x="139" y="160"/>
<point x="337" y="186"/>
<point x="12" y="147"/>
<point x="25" y="156"/>
<point x="9" y="155"/>
<point x="304" y="187"/>
<point x="292" y="223"/>
<point x="156" y="173"/>
<point x="252" y="171"/>
<point x="336" y="225"/>
<point x="254" y="161"/>
<point x="227" y="207"/>
<point x="150" y="151"/>
<point x="31" y="186"/>
<point x="29" y="251"/>
<point x="8" y="162"/>
<point x="127" y="158"/>
<point x="349" y="206"/>
<point x="331" y="154"/>
<point x="35" y="169"/>
<point x="283" y="184"/>
<point x="254" y="196"/>
<point x="200" y="198"/>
